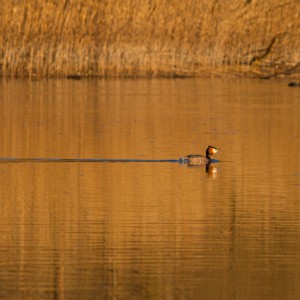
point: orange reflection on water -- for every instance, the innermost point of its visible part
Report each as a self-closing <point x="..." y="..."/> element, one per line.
<point x="155" y="230"/>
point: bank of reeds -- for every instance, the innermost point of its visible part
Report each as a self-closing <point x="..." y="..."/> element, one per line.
<point x="149" y="38"/>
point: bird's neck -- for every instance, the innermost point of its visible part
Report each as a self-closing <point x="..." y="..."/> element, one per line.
<point x="208" y="157"/>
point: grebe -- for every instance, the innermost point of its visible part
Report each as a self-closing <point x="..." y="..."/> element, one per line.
<point x="198" y="160"/>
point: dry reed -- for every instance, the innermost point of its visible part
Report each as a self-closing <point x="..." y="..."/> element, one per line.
<point x="123" y="38"/>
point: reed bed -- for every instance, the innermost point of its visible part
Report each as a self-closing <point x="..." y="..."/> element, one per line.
<point x="150" y="38"/>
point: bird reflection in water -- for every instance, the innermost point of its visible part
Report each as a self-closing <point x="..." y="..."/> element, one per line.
<point x="211" y="171"/>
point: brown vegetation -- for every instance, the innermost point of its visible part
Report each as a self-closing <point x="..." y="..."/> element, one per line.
<point x="149" y="38"/>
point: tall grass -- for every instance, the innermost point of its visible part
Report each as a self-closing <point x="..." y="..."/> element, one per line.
<point x="148" y="37"/>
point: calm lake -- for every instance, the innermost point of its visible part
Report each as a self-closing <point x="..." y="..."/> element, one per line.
<point x="85" y="229"/>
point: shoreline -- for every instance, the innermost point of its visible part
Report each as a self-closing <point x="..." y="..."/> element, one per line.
<point x="222" y="72"/>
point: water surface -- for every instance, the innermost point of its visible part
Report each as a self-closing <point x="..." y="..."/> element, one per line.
<point x="148" y="229"/>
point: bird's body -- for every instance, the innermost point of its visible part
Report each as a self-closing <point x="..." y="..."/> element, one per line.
<point x="198" y="160"/>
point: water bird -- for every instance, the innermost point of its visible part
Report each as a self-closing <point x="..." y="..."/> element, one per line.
<point x="198" y="160"/>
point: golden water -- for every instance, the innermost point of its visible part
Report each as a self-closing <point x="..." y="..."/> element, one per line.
<point x="149" y="230"/>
